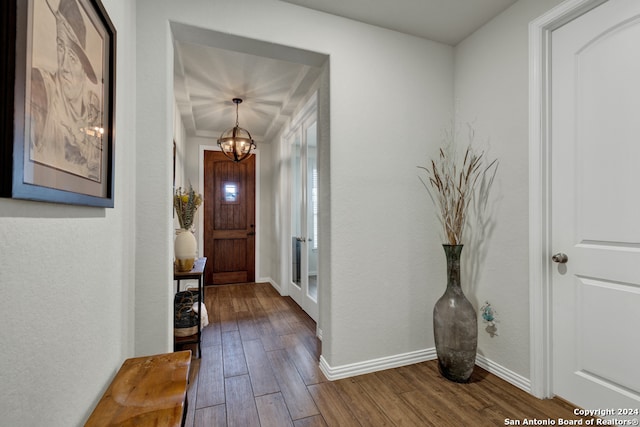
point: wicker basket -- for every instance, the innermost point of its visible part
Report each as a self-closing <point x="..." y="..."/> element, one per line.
<point x="186" y="320"/>
<point x="185" y="332"/>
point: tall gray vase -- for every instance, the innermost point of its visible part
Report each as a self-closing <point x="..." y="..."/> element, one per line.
<point x="455" y="324"/>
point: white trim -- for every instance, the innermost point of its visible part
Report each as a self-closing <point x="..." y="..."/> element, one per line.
<point x="272" y="282"/>
<point x="267" y="279"/>
<point x="256" y="153"/>
<point x="539" y="189"/>
<point x="504" y="373"/>
<point x="398" y="360"/>
<point x="374" y="365"/>
<point x="310" y="107"/>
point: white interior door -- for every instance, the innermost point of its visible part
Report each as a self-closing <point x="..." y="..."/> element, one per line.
<point x="595" y="186"/>
<point x="303" y="271"/>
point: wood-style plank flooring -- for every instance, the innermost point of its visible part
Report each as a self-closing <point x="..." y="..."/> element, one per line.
<point x="259" y="367"/>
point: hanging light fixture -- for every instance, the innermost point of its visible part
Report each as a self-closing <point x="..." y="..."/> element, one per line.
<point x="236" y="143"/>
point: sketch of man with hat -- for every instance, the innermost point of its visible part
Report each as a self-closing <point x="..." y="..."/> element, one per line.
<point x="66" y="118"/>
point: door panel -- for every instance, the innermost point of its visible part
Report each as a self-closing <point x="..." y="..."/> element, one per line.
<point x="303" y="277"/>
<point x="618" y="305"/>
<point x="596" y="206"/>
<point x="311" y="210"/>
<point x="229" y="219"/>
<point x="297" y="197"/>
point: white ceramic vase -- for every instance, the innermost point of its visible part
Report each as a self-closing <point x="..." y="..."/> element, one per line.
<point x="186" y="249"/>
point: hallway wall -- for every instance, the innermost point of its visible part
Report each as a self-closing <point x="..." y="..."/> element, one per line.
<point x="66" y="281"/>
<point x="389" y="96"/>
<point x="491" y="91"/>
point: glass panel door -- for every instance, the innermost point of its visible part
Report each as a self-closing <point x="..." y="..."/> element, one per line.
<point x="297" y="197"/>
<point x="312" y="210"/>
<point x="303" y="178"/>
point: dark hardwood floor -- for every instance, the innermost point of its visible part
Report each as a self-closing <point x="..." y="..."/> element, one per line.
<point x="259" y="367"/>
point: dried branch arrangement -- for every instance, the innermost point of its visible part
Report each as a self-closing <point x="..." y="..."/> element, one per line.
<point x="452" y="184"/>
<point x="186" y="203"/>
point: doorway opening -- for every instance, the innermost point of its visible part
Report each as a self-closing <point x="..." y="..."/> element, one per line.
<point x="275" y="81"/>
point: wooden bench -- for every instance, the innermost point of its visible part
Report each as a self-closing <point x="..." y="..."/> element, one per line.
<point x="146" y="391"/>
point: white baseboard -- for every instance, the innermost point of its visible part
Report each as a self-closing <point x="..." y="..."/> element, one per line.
<point x="271" y="282"/>
<point x="368" y="366"/>
<point x="264" y="279"/>
<point x="345" y="371"/>
<point x="504" y="373"/>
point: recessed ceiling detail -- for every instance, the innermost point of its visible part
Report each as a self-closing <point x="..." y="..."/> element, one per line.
<point x="207" y="77"/>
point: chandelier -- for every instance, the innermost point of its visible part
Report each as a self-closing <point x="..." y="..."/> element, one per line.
<point x="236" y="143"/>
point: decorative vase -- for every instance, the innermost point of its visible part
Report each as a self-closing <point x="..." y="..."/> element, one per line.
<point x="455" y="325"/>
<point x="186" y="249"/>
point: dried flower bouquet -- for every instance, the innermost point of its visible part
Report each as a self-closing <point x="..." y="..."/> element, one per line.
<point x="186" y="203"/>
<point x="452" y="184"/>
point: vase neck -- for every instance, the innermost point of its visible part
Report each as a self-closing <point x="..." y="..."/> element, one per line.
<point x="452" y="253"/>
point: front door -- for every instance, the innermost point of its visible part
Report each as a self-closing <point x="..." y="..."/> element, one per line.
<point x="229" y="219"/>
<point x="595" y="186"/>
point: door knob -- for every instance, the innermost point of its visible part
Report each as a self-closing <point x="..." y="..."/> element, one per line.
<point x="560" y="258"/>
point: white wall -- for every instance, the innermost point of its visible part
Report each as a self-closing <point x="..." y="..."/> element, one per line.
<point x="154" y="209"/>
<point x="390" y="95"/>
<point x="66" y="282"/>
<point x="182" y="146"/>
<point x="265" y="252"/>
<point x="491" y="90"/>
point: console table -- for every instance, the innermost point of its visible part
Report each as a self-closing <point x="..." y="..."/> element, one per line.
<point x="196" y="273"/>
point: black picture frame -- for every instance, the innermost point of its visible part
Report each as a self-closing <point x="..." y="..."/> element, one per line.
<point x="57" y="102"/>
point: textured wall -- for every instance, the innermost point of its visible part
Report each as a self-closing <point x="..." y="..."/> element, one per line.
<point x="491" y="90"/>
<point x="66" y="283"/>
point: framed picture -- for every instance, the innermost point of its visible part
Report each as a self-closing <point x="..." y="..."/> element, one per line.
<point x="57" y="84"/>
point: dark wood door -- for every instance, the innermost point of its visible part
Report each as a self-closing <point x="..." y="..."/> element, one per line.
<point x="229" y="219"/>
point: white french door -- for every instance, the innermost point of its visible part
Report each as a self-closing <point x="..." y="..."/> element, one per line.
<point x="303" y="256"/>
<point x="595" y="234"/>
